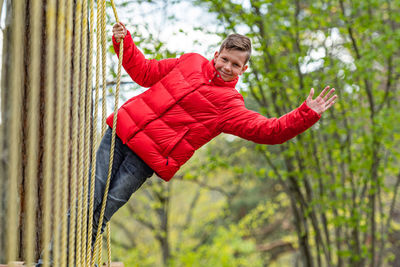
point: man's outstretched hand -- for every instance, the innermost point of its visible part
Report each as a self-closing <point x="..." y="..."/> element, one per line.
<point x="323" y="102"/>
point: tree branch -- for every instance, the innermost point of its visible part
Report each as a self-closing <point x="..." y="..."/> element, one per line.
<point x="388" y="85"/>
<point x="209" y="187"/>
<point x="128" y="233"/>
<point x="389" y="219"/>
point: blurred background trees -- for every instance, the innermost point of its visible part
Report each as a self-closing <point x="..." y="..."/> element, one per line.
<point x="326" y="198"/>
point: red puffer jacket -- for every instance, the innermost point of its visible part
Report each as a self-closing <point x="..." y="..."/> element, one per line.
<point x="187" y="105"/>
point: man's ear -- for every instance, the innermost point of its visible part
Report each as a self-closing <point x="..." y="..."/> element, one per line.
<point x="243" y="69"/>
<point x="216" y="55"/>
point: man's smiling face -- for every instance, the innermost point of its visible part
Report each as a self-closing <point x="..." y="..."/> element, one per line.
<point x="230" y="63"/>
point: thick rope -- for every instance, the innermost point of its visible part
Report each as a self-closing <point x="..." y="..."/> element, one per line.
<point x="98" y="240"/>
<point x="90" y="260"/>
<point x="102" y="30"/>
<point x="109" y="244"/>
<point x="3" y="189"/>
<point x="85" y="237"/>
<point x="115" y="11"/>
<point x="15" y="127"/>
<point x="3" y="169"/>
<point x="115" y="121"/>
<point x="66" y="137"/>
<point x="104" y="62"/>
<point x="99" y="253"/>
<point x="100" y="51"/>
<point x="77" y="50"/>
<point x="49" y="123"/>
<point x="59" y="128"/>
<point x="82" y="100"/>
<point x="33" y="130"/>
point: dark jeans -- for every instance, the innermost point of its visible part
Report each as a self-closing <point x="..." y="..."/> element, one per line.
<point x="128" y="173"/>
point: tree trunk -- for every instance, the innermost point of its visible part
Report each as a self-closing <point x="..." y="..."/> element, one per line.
<point x="163" y="213"/>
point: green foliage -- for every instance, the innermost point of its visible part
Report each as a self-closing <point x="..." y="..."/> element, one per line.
<point x="329" y="191"/>
<point x="337" y="172"/>
<point x="223" y="250"/>
<point x="135" y="257"/>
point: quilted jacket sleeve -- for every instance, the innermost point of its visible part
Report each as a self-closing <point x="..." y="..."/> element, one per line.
<point x="143" y="71"/>
<point x="237" y="120"/>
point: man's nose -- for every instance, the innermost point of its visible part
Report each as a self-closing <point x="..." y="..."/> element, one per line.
<point x="228" y="66"/>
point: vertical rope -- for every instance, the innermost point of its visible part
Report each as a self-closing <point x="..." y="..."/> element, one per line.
<point x="121" y="49"/>
<point x="59" y="128"/>
<point x="115" y="11"/>
<point x="102" y="29"/>
<point x="81" y="163"/>
<point x="104" y="62"/>
<point x="86" y="237"/>
<point x="3" y="175"/>
<point x="98" y="240"/>
<point x="100" y="252"/>
<point x="108" y="244"/>
<point x="66" y="132"/>
<point x="75" y="124"/>
<point x="15" y="127"/>
<point x="33" y="131"/>
<point x="49" y="117"/>
<point x="94" y="138"/>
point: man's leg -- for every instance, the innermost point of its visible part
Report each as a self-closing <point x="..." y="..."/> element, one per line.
<point x="102" y="164"/>
<point x="132" y="173"/>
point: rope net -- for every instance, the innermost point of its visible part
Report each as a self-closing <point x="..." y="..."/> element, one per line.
<point x="49" y="133"/>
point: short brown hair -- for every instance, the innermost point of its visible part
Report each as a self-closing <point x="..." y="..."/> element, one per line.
<point x="237" y="42"/>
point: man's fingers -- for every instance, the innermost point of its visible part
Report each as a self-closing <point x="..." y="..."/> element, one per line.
<point x="324" y="92"/>
<point x="330" y="105"/>
<point x="123" y="29"/>
<point x="119" y="27"/>
<point x="310" y="96"/>
<point x="329" y="94"/>
<point x="332" y="99"/>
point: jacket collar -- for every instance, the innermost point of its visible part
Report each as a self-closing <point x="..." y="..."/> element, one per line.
<point x="214" y="77"/>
